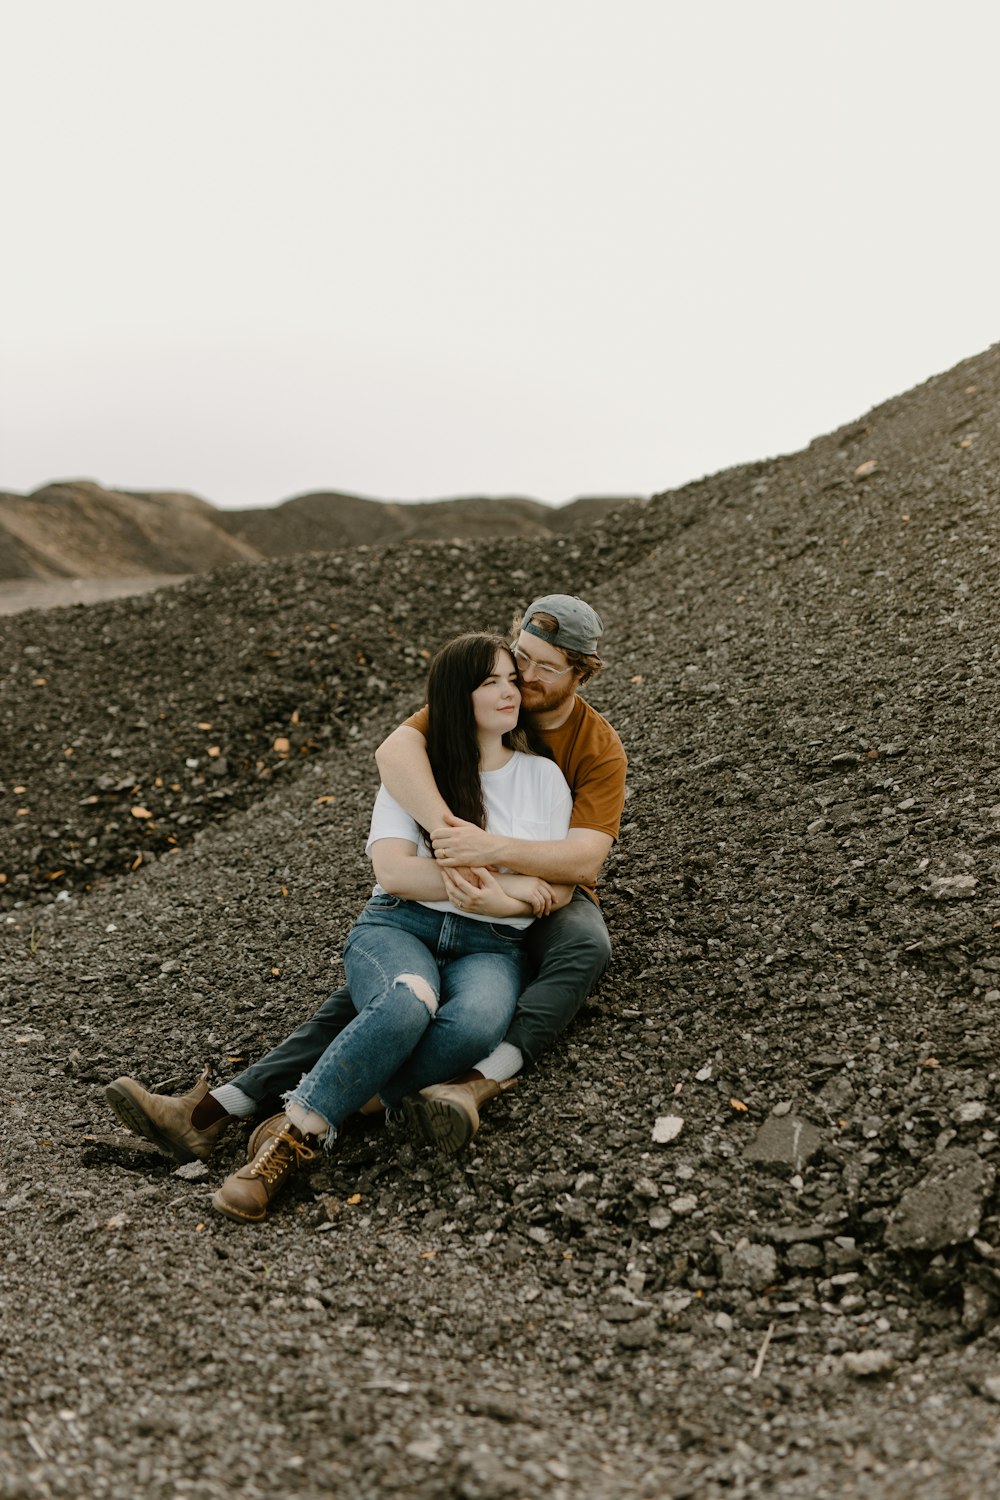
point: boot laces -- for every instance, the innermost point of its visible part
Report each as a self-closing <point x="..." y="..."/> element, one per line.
<point x="283" y="1153"/>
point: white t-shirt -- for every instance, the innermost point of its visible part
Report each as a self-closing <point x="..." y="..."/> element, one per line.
<point x="528" y="798"/>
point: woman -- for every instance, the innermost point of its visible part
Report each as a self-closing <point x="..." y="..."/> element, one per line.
<point x="435" y="988"/>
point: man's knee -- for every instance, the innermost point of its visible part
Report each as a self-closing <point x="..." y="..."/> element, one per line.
<point x="597" y="945"/>
<point x="579" y="942"/>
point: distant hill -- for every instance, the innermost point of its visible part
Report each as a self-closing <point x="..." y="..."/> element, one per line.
<point x="78" y="529"/>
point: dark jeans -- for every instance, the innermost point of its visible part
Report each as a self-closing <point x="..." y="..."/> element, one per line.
<point x="568" y="952"/>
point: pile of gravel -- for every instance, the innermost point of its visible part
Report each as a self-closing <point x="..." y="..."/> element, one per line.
<point x="739" y="1234"/>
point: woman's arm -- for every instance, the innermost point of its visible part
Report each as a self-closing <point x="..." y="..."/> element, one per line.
<point x="401" y="871"/>
<point x="542" y="896"/>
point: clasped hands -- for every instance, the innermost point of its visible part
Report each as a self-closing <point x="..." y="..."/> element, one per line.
<point x="462" y="851"/>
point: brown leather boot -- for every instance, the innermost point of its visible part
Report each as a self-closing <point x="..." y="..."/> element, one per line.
<point x="446" y="1115"/>
<point x="165" y="1119"/>
<point x="246" y="1195"/>
<point x="264" y="1131"/>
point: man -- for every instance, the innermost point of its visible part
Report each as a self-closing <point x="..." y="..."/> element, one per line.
<point x="555" y="646"/>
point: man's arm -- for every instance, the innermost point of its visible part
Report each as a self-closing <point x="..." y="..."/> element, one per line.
<point x="400" y="871"/>
<point x="406" y="775"/>
<point x="574" y="860"/>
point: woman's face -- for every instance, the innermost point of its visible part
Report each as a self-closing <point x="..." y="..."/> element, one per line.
<point x="497" y="701"/>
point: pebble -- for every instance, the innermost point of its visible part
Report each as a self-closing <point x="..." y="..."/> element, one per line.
<point x="866" y="1363"/>
<point x="945" y="1207"/>
<point x="192" y="1171"/>
<point x="667" y="1128"/>
<point x="952" y="887"/>
<point x="784" y="1143"/>
<point x="748" y="1264"/>
<point x="685" y="1204"/>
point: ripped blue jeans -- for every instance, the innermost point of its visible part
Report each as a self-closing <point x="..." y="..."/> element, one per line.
<point x="434" y="992"/>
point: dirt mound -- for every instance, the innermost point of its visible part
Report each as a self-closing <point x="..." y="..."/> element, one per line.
<point x="80" y="531"/>
<point x="793" y="1291"/>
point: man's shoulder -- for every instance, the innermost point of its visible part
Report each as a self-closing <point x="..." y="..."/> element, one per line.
<point x="600" y="729"/>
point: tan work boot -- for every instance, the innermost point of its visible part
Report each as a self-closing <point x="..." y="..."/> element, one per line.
<point x="165" y="1119"/>
<point x="264" y="1131"/>
<point x="246" y="1195"/>
<point x="446" y="1115"/>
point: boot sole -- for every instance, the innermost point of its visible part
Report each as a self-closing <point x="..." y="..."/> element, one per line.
<point x="221" y="1206"/>
<point x="130" y="1113"/>
<point x="447" y="1129"/>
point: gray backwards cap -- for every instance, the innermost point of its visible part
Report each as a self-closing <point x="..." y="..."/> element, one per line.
<point x="578" y="627"/>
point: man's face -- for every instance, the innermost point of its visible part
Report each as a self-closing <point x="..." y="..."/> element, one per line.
<point x="547" y="680"/>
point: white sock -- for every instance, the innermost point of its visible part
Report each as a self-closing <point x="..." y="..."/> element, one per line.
<point x="503" y="1062"/>
<point x="306" y="1120"/>
<point x="234" y="1101"/>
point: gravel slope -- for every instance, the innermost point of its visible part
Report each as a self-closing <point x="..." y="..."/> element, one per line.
<point x="798" y="1293"/>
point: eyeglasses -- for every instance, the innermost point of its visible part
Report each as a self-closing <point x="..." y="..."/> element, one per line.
<point x="524" y="661"/>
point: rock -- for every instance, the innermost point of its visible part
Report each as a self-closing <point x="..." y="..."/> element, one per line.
<point x="426" y="1449"/>
<point x="797" y="1234"/>
<point x="864" y="1364"/>
<point x="667" y="1128"/>
<point x="747" y="1264"/>
<point x="192" y="1171"/>
<point x="990" y="1388"/>
<point x="686" y="1204"/>
<point x="836" y="1095"/>
<point x="637" y="1335"/>
<point x="784" y="1143"/>
<point x="804" y="1257"/>
<point x="977" y="1306"/>
<point x="945" y="1207"/>
<point x="952" y="887"/>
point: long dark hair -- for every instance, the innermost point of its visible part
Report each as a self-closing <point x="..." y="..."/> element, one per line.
<point x="452" y="746"/>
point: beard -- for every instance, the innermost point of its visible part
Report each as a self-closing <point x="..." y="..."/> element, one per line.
<point x="537" y="698"/>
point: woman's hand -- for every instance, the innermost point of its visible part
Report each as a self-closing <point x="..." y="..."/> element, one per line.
<point x="531" y="889"/>
<point x="479" y="893"/>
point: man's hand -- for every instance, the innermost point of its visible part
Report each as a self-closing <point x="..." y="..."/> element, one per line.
<point x="457" y="842"/>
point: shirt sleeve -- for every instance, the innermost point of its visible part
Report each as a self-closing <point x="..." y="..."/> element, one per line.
<point x="418" y="721"/>
<point x="600" y="794"/>
<point x="391" y="821"/>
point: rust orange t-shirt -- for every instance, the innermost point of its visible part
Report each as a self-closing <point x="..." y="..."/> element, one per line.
<point x="591" y="757"/>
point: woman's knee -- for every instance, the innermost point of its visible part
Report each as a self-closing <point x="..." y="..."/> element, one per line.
<point x="418" y="986"/>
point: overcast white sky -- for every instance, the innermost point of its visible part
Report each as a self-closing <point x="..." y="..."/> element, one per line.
<point x="419" y="248"/>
